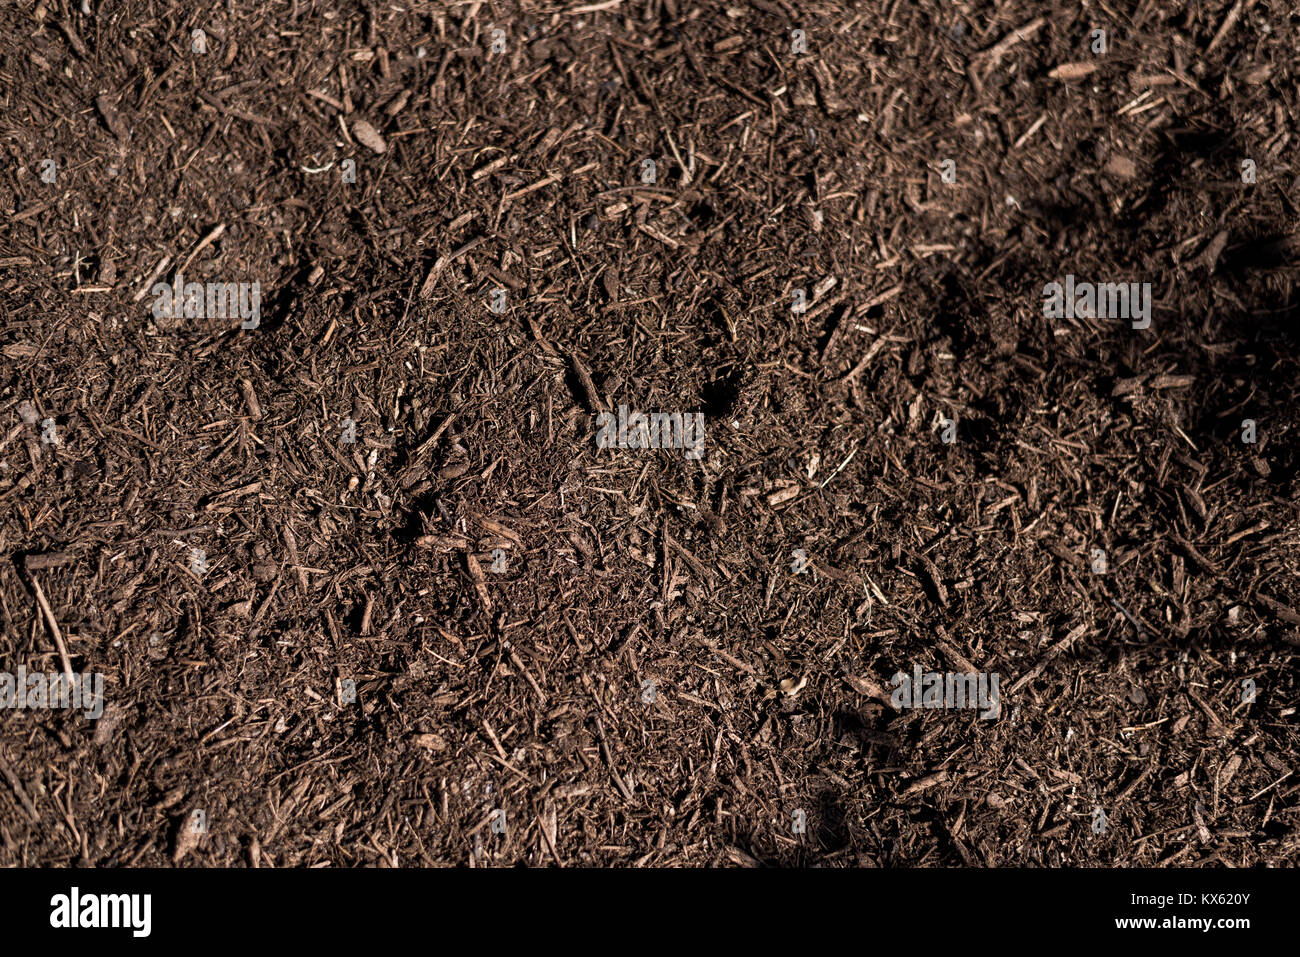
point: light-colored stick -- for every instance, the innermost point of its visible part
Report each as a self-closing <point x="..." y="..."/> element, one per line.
<point x="54" y="629"/>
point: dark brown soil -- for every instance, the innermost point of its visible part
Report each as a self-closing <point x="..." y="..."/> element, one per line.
<point x="612" y="646"/>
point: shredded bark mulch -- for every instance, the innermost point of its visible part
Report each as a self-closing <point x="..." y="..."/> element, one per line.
<point x="363" y="588"/>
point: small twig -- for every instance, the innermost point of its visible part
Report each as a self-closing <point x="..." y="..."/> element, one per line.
<point x="213" y="235"/>
<point x="148" y="283"/>
<point x="544" y="181"/>
<point x="1052" y="653"/>
<point x="609" y="761"/>
<point x="1240" y="7"/>
<point x="17" y="785"/>
<point x="1000" y="49"/>
<point x="864" y="361"/>
<point x="54" y="629"/>
<point x="528" y="675"/>
<point x="496" y="742"/>
<point x="426" y="288"/>
<point x="842" y="464"/>
<point x="1132" y="621"/>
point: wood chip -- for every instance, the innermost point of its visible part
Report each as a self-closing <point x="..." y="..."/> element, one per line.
<point x="1073" y="71"/>
<point x="783" y="495"/>
<point x="368" y="136"/>
<point x="480" y="586"/>
<point x="864" y="685"/>
<point x="108" y="113"/>
<point x="1285" y="612"/>
<point x="48" y="560"/>
<point x="929" y="781"/>
<point x="1121" y="166"/>
<point x="188" y="836"/>
<point x="594" y="401"/>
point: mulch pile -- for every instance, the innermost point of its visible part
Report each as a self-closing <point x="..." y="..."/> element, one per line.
<point x="364" y="589"/>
